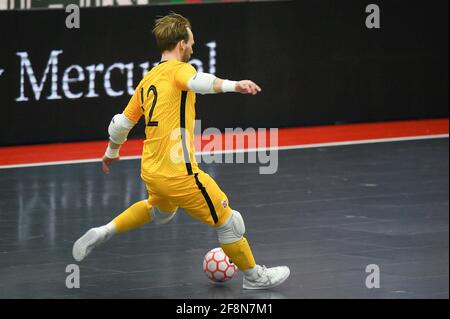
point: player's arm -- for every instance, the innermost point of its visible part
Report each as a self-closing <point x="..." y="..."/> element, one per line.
<point x="107" y="160"/>
<point x="206" y="83"/>
<point x="119" y="128"/>
<point x="187" y="78"/>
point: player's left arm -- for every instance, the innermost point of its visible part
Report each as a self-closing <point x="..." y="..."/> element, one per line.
<point x="187" y="78"/>
<point x="206" y="83"/>
<point x="242" y="86"/>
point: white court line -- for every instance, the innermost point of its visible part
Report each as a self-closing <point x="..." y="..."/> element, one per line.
<point x="262" y="149"/>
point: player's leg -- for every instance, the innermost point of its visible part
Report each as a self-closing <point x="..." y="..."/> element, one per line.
<point x="163" y="211"/>
<point x="140" y="213"/>
<point x="154" y="210"/>
<point x="236" y="247"/>
<point x="134" y="216"/>
<point x="209" y="204"/>
<point x="203" y="199"/>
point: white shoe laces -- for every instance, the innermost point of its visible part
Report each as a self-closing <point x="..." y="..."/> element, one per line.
<point x="264" y="274"/>
<point x="263" y="269"/>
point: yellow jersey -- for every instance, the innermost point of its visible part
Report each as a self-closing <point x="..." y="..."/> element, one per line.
<point x="169" y="109"/>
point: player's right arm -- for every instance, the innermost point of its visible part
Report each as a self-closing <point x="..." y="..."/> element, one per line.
<point x="187" y="78"/>
<point x="119" y="128"/>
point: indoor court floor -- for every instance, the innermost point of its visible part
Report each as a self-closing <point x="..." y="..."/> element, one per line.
<point x="327" y="213"/>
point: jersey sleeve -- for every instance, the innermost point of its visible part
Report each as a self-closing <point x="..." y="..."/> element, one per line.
<point x="133" y="111"/>
<point x="183" y="75"/>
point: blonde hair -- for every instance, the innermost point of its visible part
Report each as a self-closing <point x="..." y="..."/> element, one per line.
<point x="169" y="30"/>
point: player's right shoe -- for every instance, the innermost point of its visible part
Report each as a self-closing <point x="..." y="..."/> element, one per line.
<point x="267" y="277"/>
<point x="91" y="239"/>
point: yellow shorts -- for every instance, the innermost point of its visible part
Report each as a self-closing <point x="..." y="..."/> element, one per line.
<point x="197" y="194"/>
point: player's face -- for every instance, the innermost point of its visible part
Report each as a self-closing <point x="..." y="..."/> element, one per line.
<point x="188" y="47"/>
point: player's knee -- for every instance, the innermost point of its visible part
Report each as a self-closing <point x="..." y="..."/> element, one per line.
<point x="160" y="217"/>
<point x="232" y="230"/>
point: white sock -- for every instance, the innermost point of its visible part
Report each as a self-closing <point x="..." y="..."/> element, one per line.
<point x="251" y="273"/>
<point x="110" y="229"/>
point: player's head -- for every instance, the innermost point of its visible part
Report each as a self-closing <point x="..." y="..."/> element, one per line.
<point x="173" y="33"/>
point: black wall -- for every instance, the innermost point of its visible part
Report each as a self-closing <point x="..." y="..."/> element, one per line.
<point x="315" y="60"/>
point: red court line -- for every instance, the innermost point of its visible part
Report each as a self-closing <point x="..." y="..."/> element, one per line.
<point x="41" y="153"/>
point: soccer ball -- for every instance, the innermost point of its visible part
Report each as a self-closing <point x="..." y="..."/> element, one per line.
<point x="217" y="266"/>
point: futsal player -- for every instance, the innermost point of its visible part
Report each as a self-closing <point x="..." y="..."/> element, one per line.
<point x="166" y="98"/>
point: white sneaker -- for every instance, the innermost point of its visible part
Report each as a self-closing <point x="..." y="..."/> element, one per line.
<point x="91" y="239"/>
<point x="267" y="277"/>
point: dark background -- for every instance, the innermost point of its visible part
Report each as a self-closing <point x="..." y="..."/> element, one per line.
<point x="315" y="60"/>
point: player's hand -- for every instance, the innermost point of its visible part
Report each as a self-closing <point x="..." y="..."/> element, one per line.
<point x="247" y="87"/>
<point x="106" y="162"/>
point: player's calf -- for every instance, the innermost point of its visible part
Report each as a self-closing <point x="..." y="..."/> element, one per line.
<point x="236" y="247"/>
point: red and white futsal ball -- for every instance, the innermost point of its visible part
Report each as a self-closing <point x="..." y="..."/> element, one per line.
<point x="217" y="266"/>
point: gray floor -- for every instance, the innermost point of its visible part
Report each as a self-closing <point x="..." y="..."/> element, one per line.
<point x="327" y="213"/>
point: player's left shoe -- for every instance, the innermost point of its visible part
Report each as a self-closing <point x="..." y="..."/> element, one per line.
<point x="91" y="239"/>
<point x="266" y="277"/>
